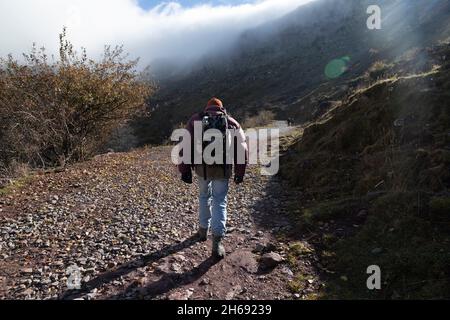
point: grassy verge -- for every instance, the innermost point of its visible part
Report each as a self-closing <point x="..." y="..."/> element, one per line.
<point x="15" y="185"/>
<point x="406" y="234"/>
<point x="373" y="189"/>
<point x="408" y="237"/>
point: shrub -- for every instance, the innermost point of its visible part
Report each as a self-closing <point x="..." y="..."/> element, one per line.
<point x="54" y="111"/>
<point x="378" y="70"/>
<point x="263" y="118"/>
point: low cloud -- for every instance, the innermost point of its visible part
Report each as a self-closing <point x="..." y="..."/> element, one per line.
<point x="168" y="31"/>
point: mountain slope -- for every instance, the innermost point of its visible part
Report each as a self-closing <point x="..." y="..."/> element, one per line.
<point x="277" y="65"/>
<point x="374" y="181"/>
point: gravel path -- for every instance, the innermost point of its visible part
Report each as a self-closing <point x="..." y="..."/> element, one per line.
<point x="126" y="222"/>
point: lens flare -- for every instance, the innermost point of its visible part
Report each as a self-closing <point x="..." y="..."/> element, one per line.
<point x="337" y="67"/>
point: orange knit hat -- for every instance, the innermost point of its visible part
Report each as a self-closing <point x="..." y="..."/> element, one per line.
<point x="215" y="102"/>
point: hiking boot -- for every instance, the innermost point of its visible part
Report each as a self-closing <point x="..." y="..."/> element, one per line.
<point x="202" y="234"/>
<point x="218" y="251"/>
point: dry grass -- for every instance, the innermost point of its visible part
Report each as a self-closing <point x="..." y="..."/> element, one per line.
<point x="262" y="119"/>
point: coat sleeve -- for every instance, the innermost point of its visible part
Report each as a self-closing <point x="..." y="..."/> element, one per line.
<point x="185" y="168"/>
<point x="241" y="147"/>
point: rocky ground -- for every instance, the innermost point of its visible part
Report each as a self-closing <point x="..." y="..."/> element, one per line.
<point x="126" y="222"/>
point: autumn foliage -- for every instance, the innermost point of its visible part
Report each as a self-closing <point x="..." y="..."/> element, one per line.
<point x="59" y="110"/>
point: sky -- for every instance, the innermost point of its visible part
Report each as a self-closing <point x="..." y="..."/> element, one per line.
<point x="180" y="30"/>
<point x="148" y="4"/>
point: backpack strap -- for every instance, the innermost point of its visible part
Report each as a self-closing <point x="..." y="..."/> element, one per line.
<point x="202" y="114"/>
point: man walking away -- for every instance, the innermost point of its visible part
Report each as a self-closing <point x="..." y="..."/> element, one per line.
<point x="213" y="180"/>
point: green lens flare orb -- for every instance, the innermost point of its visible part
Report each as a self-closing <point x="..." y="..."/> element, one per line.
<point x="337" y="67"/>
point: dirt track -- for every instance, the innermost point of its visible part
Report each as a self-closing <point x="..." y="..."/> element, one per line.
<point x="125" y="220"/>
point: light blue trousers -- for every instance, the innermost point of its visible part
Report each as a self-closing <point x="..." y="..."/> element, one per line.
<point x="213" y="200"/>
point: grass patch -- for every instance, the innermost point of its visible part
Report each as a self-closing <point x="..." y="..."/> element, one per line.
<point x="15" y="185"/>
<point x="295" y="251"/>
<point x="263" y="118"/>
<point x="298" y="284"/>
<point x="288" y="140"/>
<point x="405" y="242"/>
<point x="299" y="249"/>
<point x="314" y="296"/>
<point x="329" y="210"/>
<point x="440" y="206"/>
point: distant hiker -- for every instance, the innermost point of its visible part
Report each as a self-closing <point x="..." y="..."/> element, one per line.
<point x="290" y="122"/>
<point x="213" y="179"/>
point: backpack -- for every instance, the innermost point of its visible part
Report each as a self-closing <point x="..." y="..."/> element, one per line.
<point x="218" y="122"/>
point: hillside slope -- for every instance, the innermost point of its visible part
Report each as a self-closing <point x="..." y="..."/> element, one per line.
<point x="374" y="179"/>
<point x="294" y="64"/>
